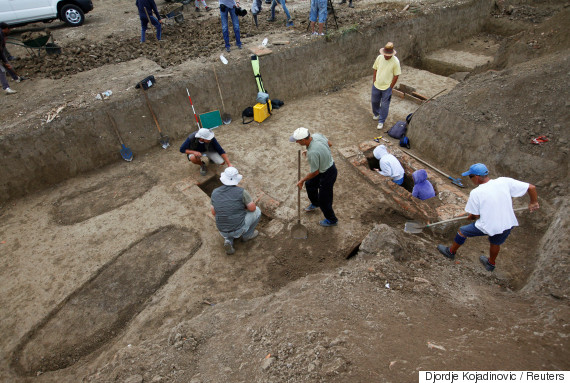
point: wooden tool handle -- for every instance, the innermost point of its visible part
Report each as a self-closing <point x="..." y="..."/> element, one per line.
<point x="151" y="112"/>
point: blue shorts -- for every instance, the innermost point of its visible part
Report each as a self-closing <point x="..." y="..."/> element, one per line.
<point x="472" y="231"/>
<point x="399" y="182"/>
<point x="318" y="9"/>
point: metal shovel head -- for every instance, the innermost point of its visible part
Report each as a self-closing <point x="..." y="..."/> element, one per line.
<point x="223" y="59"/>
<point x="127" y="154"/>
<point x="299" y="231"/>
<point x="226" y="118"/>
<point x="164" y="142"/>
<point x="414" y="227"/>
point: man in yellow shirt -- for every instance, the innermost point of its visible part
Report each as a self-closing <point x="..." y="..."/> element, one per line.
<point x="386" y="73"/>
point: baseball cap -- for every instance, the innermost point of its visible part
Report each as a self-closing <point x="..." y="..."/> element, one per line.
<point x="299" y="134"/>
<point x="476" y="170"/>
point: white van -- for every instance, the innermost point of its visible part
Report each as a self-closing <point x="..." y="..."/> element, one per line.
<point x="21" y="12"/>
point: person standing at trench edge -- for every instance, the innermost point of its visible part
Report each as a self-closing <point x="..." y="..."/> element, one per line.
<point x="229" y="6"/>
<point x="320" y="181"/>
<point x="146" y="8"/>
<point x="491" y="205"/>
<point x="386" y="72"/>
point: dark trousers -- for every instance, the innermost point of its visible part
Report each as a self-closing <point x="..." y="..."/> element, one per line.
<point x="320" y="192"/>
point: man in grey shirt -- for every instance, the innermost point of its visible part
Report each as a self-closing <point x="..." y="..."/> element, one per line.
<point x="236" y="213"/>
<point x="320" y="181"/>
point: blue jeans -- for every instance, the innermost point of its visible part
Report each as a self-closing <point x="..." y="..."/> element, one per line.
<point x="320" y="192"/>
<point x="144" y="25"/>
<point x="235" y="23"/>
<point x="318" y="11"/>
<point x="399" y="182"/>
<point x="250" y="222"/>
<point x="472" y="231"/>
<point x="274" y="4"/>
<point x="381" y="102"/>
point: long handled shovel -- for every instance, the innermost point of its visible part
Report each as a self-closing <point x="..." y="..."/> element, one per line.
<point x="193" y="110"/>
<point x="455" y="181"/>
<point x="126" y="152"/>
<point x="415" y="227"/>
<point x="226" y="118"/>
<point x="298" y="231"/>
<point x="164" y="140"/>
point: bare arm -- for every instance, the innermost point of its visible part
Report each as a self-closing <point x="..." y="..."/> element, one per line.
<point x="533" y="204"/>
<point x="374" y="77"/>
<point x="227" y="159"/>
<point x="251" y="206"/>
<point x="394" y="80"/>
<point x="306" y="178"/>
<point x="213" y="211"/>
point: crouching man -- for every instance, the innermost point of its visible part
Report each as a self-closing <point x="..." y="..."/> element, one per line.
<point x="201" y="147"/>
<point x="236" y="213"/>
<point x="389" y="165"/>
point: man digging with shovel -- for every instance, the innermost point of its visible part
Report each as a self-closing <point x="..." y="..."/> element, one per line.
<point x="201" y="147"/>
<point x="320" y="181"/>
<point x="491" y="205"/>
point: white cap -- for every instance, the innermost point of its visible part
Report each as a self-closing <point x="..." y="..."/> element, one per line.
<point x="299" y="134"/>
<point x="205" y="134"/>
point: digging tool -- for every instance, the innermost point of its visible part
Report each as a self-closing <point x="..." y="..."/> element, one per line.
<point x="126" y="152"/>
<point x="193" y="110"/>
<point x="455" y="181"/>
<point x="415" y="227"/>
<point x="226" y="118"/>
<point x="164" y="140"/>
<point x="299" y="231"/>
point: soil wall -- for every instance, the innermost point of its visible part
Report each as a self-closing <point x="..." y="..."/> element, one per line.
<point x="35" y="158"/>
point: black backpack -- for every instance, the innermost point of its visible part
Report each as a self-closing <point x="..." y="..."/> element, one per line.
<point x="247" y="112"/>
<point x="400" y="128"/>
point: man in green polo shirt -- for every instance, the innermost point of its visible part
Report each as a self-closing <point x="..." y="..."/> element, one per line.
<point x="320" y="181"/>
<point x="386" y="73"/>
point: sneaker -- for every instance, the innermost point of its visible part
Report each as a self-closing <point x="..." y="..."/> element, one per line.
<point x="197" y="9"/>
<point x="375" y="118"/>
<point x="315" y="33"/>
<point x="239" y="46"/>
<point x="326" y="223"/>
<point x="271" y="19"/>
<point x="203" y="169"/>
<point x="228" y="245"/>
<point x="228" y="49"/>
<point x="255" y="234"/>
<point x="208" y="9"/>
<point x="311" y="207"/>
<point x="350" y="5"/>
<point x="10" y="91"/>
<point x="445" y="251"/>
<point x="485" y="262"/>
<point x="289" y="23"/>
<point x="380" y="126"/>
<point x="20" y="79"/>
<point x="322" y="34"/>
<point x="342" y="2"/>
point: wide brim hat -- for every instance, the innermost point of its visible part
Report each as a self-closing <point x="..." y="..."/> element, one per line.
<point x="205" y="134"/>
<point x="231" y="176"/>
<point x="388" y="49"/>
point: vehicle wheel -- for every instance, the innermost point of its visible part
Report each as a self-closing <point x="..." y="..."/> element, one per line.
<point x="72" y="15"/>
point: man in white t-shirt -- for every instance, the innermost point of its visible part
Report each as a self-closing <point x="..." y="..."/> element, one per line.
<point x="490" y="204"/>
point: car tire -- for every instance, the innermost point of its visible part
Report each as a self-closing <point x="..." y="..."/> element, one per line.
<point x="72" y="15"/>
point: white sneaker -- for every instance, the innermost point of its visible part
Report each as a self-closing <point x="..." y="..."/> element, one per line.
<point x="380" y="125"/>
<point x="375" y="117"/>
<point x="10" y="91"/>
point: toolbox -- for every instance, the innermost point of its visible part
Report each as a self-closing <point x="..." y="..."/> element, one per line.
<point x="261" y="111"/>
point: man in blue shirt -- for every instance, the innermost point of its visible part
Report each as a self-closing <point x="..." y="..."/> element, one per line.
<point x="201" y="146"/>
<point x="146" y="8"/>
